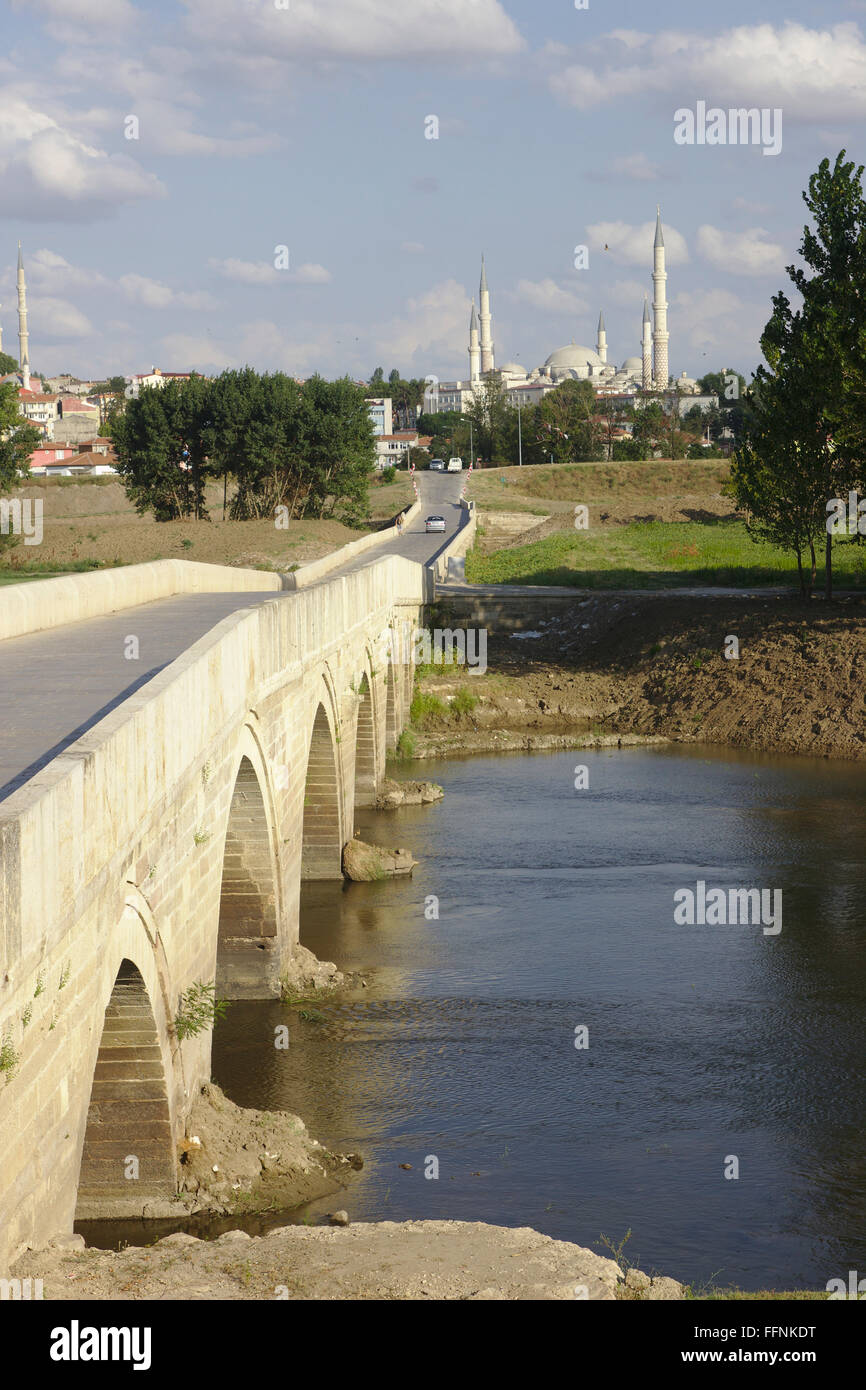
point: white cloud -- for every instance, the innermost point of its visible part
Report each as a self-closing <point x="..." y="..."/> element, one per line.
<point x="152" y="294"/>
<point x="47" y="172"/>
<point x="634" y="245"/>
<point x="56" y="318"/>
<point x="376" y="30"/>
<point x="813" y="74"/>
<point x="264" y="272"/>
<point x="47" y="270"/>
<point x="548" y="296"/>
<point x="741" y="253"/>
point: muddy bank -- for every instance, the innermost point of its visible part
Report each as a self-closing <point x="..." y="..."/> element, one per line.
<point x="613" y="667"/>
<point x="381" y="1260"/>
<point x="235" y="1161"/>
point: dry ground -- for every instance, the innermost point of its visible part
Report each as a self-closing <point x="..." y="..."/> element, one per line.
<point x="93" y="523"/>
<point x="628" y="666"/>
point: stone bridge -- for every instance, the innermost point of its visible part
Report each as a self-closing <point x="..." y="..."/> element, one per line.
<point x="165" y="847"/>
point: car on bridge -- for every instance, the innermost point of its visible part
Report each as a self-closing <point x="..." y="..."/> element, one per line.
<point x="455" y="465"/>
<point x="434" y="523"/>
<point x="437" y="465"/>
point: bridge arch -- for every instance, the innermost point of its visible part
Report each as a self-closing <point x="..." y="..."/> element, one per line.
<point x="247" y="955"/>
<point x="322" y="838"/>
<point x="127" y="1148"/>
<point x="391" y="714"/>
<point x="366" y="761"/>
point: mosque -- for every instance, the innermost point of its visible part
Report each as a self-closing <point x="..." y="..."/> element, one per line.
<point x="649" y="372"/>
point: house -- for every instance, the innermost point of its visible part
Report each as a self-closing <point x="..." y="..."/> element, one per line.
<point x="394" y="448"/>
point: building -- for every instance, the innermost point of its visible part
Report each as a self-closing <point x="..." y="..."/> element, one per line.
<point x="394" y="448"/>
<point x="92" y="456"/>
<point x="380" y="414"/>
<point x="39" y="408"/>
<point x="155" y="377"/>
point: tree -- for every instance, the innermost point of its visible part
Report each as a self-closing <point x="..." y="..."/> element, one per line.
<point x="488" y="413"/>
<point x="8" y="365"/>
<point x="566" y="425"/>
<point x="728" y="385"/>
<point x="18" y="439"/>
<point x="815" y="384"/>
<point x="780" y="474"/>
<point x="160" y="442"/>
<point x="377" y="382"/>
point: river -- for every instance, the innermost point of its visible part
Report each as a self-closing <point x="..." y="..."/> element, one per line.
<point x="709" y="1049"/>
<point x="555" y="913"/>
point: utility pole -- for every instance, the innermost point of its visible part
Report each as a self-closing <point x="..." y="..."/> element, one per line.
<point x="519" y="434"/>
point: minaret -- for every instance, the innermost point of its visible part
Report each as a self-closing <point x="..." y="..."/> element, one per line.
<point x="486" y="339"/>
<point x="474" y="350"/>
<point x="647" y="347"/>
<point x="601" y="345"/>
<point x="23" y="335"/>
<point x="660" y="309"/>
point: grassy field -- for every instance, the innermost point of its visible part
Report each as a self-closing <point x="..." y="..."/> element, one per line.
<point x="90" y="524"/>
<point x="656" y="555"/>
<point x="556" y="487"/>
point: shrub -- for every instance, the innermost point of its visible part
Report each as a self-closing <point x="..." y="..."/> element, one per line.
<point x="464" y="701"/>
<point x="425" y="707"/>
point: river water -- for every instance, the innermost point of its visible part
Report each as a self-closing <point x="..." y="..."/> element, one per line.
<point x="555" y="912"/>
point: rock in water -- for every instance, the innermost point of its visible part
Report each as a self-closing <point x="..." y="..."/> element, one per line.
<point x="395" y="794"/>
<point x="365" y="863"/>
<point x="339" y="1218"/>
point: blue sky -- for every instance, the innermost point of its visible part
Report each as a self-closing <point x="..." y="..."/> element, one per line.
<point x="304" y="126"/>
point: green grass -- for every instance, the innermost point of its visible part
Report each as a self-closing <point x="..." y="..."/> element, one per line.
<point x="464" y="701"/>
<point x="424" y="707"/>
<point x="657" y="555"/>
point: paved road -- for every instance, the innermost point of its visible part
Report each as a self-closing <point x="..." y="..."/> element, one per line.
<point x="56" y="685"/>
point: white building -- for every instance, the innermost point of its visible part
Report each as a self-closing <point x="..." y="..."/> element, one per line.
<point x="381" y="414"/>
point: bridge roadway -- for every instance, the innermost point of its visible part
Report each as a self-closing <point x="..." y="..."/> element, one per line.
<point x="55" y="685"/>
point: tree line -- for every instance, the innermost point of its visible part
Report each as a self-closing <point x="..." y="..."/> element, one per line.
<point x="306" y="447"/>
<point x="572" y="425"/>
<point x="805" y="436"/>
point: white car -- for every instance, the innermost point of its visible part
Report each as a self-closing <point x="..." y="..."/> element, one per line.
<point x="437" y="465"/>
<point x="455" y="465"/>
<point x="434" y="523"/>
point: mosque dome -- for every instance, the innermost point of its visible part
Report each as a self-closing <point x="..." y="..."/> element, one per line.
<point x="632" y="364"/>
<point x="574" y="360"/>
<point x="513" y="369"/>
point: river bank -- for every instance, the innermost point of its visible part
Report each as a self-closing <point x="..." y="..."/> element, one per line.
<point x="770" y="674"/>
<point x="382" y="1260"/>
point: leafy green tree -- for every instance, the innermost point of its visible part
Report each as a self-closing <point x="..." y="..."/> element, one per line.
<point x="18" y="439"/>
<point x="488" y="414"/>
<point x="338" y="444"/>
<point x="815" y="382"/>
<point x="728" y="385"/>
<point x="8" y="365"/>
<point x="565" y="417"/>
<point x="159" y="440"/>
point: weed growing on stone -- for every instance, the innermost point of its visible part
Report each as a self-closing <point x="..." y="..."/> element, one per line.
<point x="199" y="1009"/>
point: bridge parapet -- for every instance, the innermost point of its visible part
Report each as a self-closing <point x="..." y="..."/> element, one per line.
<point x="167" y="846"/>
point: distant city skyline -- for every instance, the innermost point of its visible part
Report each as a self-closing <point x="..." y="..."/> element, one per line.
<point x="281" y="201"/>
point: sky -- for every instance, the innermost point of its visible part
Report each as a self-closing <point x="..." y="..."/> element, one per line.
<point x="155" y="157"/>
